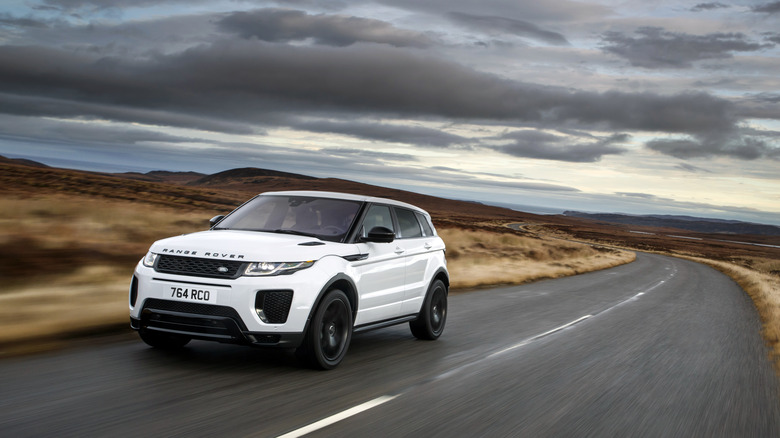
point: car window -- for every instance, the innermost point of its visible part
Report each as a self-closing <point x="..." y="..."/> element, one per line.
<point x="407" y="224"/>
<point x="427" y="228"/>
<point x="377" y="216"/>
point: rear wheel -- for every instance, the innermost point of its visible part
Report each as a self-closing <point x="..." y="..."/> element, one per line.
<point x="330" y="331"/>
<point x="429" y="325"/>
<point x="166" y="341"/>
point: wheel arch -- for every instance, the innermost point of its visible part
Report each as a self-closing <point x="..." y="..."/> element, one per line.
<point x="343" y="283"/>
<point x="443" y="275"/>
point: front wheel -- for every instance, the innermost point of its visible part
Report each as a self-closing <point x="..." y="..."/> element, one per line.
<point x="330" y="331"/>
<point x="429" y="325"/>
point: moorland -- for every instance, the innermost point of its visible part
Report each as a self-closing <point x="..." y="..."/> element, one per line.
<point x="70" y="239"/>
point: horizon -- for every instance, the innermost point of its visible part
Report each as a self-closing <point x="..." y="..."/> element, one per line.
<point x="663" y="107"/>
<point x="525" y="208"/>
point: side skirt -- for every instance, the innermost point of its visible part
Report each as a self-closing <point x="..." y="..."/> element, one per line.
<point x="383" y="324"/>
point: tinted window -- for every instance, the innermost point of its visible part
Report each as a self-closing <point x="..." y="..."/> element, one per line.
<point x="407" y="223"/>
<point x="427" y="229"/>
<point x="377" y="216"/>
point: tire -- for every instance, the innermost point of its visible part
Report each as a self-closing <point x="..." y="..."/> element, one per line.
<point x="330" y="332"/>
<point x="429" y="324"/>
<point x="165" y="341"/>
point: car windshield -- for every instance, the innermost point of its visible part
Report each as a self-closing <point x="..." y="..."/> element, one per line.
<point x="323" y="218"/>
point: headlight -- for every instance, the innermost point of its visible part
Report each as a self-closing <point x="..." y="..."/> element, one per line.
<point x="149" y="259"/>
<point x="275" y="268"/>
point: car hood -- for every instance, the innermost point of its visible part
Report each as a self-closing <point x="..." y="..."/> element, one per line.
<point x="251" y="246"/>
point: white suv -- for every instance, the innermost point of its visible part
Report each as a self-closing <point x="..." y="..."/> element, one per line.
<point x="295" y="269"/>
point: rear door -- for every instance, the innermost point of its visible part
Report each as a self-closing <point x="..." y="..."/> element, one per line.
<point x="415" y="238"/>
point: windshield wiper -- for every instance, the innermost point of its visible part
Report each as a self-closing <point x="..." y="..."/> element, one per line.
<point x="297" y="233"/>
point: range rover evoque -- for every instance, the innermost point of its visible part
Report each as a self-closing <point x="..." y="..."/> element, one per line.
<point x="301" y="270"/>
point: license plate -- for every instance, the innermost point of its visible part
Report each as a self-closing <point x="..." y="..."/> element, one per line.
<point x="192" y="294"/>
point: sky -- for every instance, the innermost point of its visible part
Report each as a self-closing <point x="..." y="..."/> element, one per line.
<point x="662" y="107"/>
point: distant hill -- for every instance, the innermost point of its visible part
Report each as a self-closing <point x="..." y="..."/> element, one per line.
<point x="689" y="223"/>
<point x="21" y="161"/>
<point x="163" y="176"/>
<point x="245" y="175"/>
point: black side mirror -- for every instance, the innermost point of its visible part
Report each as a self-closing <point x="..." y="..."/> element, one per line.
<point x="379" y="235"/>
<point x="215" y="220"/>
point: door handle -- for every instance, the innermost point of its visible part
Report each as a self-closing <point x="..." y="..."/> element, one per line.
<point x="428" y="245"/>
<point x="399" y="250"/>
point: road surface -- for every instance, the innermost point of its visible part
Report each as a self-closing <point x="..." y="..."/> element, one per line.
<point x="660" y="347"/>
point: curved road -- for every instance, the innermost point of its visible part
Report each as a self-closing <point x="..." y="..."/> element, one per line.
<point x="660" y="347"/>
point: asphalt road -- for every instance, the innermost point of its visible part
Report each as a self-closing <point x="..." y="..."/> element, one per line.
<point x="659" y="348"/>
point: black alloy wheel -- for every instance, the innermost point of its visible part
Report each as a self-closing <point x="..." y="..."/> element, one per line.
<point x="327" y="340"/>
<point x="429" y="325"/>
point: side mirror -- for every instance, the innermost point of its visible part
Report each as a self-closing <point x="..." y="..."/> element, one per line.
<point x="379" y="235"/>
<point x="215" y="220"/>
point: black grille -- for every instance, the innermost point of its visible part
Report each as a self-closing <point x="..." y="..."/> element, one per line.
<point x="198" y="267"/>
<point x="197" y="320"/>
<point x="196" y="308"/>
<point x="275" y="304"/>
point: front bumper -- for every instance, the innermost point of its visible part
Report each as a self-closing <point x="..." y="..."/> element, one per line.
<point x="207" y="322"/>
<point x="231" y="316"/>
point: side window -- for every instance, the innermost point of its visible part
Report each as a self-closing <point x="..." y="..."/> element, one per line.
<point x="427" y="229"/>
<point x="407" y="223"/>
<point x="377" y="216"/>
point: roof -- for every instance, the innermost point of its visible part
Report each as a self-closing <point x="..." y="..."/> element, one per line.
<point x="347" y="196"/>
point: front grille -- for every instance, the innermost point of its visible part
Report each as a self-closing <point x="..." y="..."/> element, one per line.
<point x="198" y="267"/>
<point x="275" y="305"/>
<point x="195" y="319"/>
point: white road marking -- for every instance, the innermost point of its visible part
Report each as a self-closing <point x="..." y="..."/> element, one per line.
<point x="533" y="338"/>
<point x="338" y="417"/>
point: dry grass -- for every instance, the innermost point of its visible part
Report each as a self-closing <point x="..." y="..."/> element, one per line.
<point x="484" y="258"/>
<point x="45" y="238"/>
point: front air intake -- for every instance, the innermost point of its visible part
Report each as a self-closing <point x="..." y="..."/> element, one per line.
<point x="273" y="306"/>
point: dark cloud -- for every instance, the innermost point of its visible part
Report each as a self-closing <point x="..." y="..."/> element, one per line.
<point x="284" y="25"/>
<point x="772" y="37"/>
<point x="534" y="10"/>
<point x="53" y="107"/>
<point x="8" y="20"/>
<point x="247" y="80"/>
<point x="545" y="146"/>
<point x="100" y="5"/>
<point x="764" y="105"/>
<point x="653" y="47"/>
<point x="76" y="134"/>
<point x="503" y="25"/>
<point x="768" y="8"/>
<point x="366" y="153"/>
<point x="691" y="168"/>
<point x="409" y="134"/>
<point x="709" y="6"/>
<point x="240" y="86"/>
<point x="743" y="148"/>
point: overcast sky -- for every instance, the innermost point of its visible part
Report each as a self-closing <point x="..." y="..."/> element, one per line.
<point x="628" y="106"/>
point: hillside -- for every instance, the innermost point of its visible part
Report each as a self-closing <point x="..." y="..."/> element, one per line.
<point x="699" y="225"/>
<point x="224" y="191"/>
